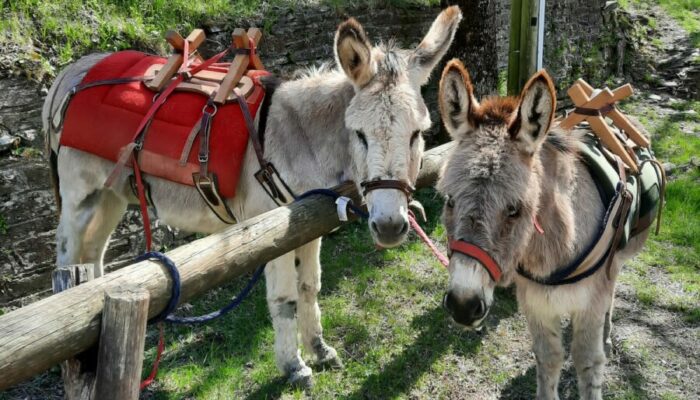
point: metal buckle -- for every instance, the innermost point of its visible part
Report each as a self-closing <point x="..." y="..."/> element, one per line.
<point x="213" y="106"/>
<point x="203" y="158"/>
<point x="265" y="176"/>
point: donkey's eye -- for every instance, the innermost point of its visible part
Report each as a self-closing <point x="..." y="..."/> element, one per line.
<point x="361" y="136"/>
<point x="514" y="211"/>
<point x="415" y="136"/>
<point x="450" y="202"/>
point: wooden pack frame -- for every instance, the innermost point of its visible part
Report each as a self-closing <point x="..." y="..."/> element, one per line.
<point x="219" y="81"/>
<point x="600" y="106"/>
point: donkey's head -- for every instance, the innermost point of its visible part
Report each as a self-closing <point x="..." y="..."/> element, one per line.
<point x="491" y="185"/>
<point x="386" y="116"/>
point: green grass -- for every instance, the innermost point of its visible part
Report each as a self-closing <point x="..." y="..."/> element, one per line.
<point x="686" y="12"/>
<point x="382" y="313"/>
<point x="3" y="225"/>
<point x="676" y="250"/>
<point x="47" y="35"/>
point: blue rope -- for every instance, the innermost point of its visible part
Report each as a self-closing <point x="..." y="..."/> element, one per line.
<point x="174" y="274"/>
<point x="173" y="319"/>
<point x="167" y="314"/>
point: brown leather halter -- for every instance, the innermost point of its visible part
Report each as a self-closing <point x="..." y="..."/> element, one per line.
<point x="403" y="186"/>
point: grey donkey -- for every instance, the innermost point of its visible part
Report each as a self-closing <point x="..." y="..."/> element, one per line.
<point x="361" y="121"/>
<point x="507" y="170"/>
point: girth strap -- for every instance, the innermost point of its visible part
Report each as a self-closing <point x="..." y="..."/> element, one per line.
<point x="267" y="176"/>
<point x="601" y="251"/>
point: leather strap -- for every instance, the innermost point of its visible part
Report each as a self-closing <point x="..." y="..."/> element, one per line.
<point x="142" y="202"/>
<point x="478" y="254"/>
<point x="592" y="112"/>
<point x="248" y="118"/>
<point x="208" y="113"/>
<point x="267" y="173"/>
<point x="187" y="148"/>
<point x="403" y="186"/>
<point x="208" y="188"/>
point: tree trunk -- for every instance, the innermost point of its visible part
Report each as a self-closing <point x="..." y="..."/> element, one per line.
<point x="476" y="45"/>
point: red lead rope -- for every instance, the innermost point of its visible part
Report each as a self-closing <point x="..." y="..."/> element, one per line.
<point x="127" y="153"/>
<point x="424" y="237"/>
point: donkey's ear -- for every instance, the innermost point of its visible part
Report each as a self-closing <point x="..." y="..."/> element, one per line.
<point x="434" y="45"/>
<point x="353" y="52"/>
<point x="456" y="99"/>
<point x="535" y="113"/>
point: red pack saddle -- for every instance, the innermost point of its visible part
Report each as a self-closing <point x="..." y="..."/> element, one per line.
<point x="102" y="120"/>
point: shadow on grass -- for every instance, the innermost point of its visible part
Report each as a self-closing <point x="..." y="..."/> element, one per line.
<point x="245" y="332"/>
<point x="437" y="336"/>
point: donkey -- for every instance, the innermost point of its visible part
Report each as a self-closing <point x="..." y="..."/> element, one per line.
<point x="360" y="122"/>
<point x="507" y="177"/>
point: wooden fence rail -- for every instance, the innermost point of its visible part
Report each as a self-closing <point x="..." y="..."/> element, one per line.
<point x="42" y="334"/>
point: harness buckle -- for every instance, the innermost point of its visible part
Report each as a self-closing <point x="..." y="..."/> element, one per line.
<point x="203" y="158"/>
<point x="212" y="106"/>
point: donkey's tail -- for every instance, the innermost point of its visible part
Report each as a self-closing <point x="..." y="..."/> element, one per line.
<point x="52" y="113"/>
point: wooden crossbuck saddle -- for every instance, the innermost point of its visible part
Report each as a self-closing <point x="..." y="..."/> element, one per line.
<point x="630" y="181"/>
<point x="197" y="136"/>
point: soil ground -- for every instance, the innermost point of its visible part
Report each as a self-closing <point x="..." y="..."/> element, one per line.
<point x="381" y="310"/>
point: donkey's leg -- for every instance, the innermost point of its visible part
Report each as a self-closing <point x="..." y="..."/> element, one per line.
<point x="282" y="297"/>
<point x="607" y="328"/>
<point x="587" y="352"/>
<point x="549" y="353"/>
<point x="309" y="269"/>
<point x="87" y="221"/>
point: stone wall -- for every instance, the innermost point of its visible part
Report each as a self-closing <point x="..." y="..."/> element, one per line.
<point x="293" y="39"/>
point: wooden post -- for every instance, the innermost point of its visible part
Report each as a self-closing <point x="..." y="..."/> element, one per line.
<point x="514" y="49"/>
<point x="121" y="344"/>
<point x="522" y="56"/>
<point x="78" y="373"/>
<point x="44" y="333"/>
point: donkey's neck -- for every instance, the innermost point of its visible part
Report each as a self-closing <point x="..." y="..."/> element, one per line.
<point x="306" y="138"/>
<point x="569" y="210"/>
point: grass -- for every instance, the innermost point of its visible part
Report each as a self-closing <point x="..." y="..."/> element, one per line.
<point x="686" y="12"/>
<point x="381" y="311"/>
<point x="3" y="225"/>
<point x="676" y="250"/>
<point x="44" y="36"/>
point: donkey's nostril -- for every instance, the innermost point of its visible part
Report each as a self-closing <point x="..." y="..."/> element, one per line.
<point x="404" y="229"/>
<point x="448" y="302"/>
<point x="374" y="227"/>
<point x="480" y="310"/>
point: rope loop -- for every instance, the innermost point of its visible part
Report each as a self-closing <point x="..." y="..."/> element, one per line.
<point x="174" y="275"/>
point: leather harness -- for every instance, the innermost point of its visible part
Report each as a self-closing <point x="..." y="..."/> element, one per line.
<point x="610" y="237"/>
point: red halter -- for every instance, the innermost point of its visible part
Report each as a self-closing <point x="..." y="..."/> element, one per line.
<point x="480" y="255"/>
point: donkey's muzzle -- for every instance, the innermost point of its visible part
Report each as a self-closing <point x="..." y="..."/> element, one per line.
<point x="468" y="312"/>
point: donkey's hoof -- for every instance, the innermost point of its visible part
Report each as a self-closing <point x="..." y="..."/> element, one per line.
<point x="302" y="378"/>
<point x="332" y="361"/>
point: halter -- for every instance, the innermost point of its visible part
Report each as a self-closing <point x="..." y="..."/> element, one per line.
<point x="406" y="188"/>
<point x="480" y="255"/>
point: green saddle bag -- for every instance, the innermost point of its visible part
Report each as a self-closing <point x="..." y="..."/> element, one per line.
<point x="645" y="186"/>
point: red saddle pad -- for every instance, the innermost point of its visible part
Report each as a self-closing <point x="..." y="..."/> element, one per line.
<point x="103" y="119"/>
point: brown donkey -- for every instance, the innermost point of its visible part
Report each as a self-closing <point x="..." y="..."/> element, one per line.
<point x="508" y="178"/>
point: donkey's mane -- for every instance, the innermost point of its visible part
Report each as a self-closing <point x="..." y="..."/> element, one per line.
<point x="563" y="142"/>
<point x="389" y="66"/>
<point x="494" y="110"/>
